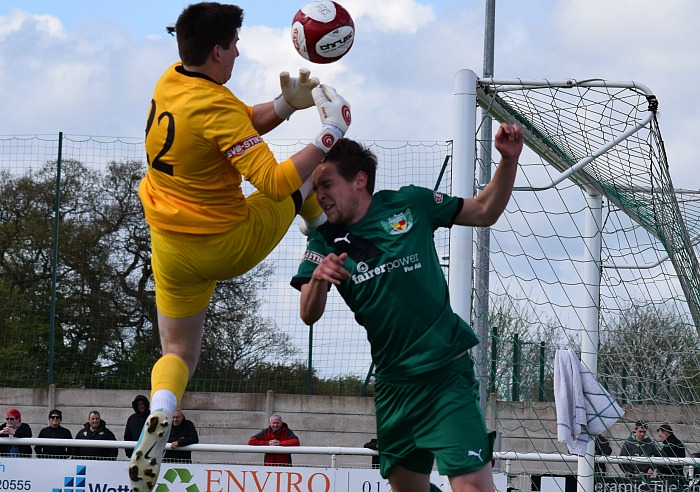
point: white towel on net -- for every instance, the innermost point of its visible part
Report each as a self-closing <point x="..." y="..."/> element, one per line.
<point x="584" y="408"/>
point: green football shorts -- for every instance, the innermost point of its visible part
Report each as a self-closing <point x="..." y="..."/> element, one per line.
<point x="434" y="417"/>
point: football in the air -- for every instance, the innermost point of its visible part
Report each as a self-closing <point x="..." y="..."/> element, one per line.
<point x="323" y="31"/>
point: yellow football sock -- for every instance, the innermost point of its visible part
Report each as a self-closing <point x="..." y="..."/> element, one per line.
<point x="171" y="373"/>
<point x="310" y="209"/>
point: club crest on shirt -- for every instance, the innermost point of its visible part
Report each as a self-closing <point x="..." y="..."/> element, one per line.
<point x="438" y="197"/>
<point x="399" y="223"/>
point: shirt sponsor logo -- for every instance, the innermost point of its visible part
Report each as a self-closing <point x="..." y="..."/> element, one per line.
<point x="313" y="257"/>
<point x="399" y="223"/>
<point x="245" y="144"/>
<point x="365" y="273"/>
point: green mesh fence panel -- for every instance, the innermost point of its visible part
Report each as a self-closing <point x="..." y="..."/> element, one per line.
<point x="102" y="334"/>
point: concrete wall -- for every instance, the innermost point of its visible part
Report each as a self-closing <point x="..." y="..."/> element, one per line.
<point x="231" y="418"/>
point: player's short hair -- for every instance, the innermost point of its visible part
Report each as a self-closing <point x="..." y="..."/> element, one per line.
<point x="351" y="157"/>
<point x="201" y="26"/>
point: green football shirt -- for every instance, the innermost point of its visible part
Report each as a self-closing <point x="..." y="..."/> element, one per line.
<point x="397" y="290"/>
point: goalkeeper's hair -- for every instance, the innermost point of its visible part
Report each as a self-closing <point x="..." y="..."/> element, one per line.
<point x="351" y="157"/>
<point x="201" y="26"/>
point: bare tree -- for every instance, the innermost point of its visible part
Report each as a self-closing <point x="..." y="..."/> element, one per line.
<point x="521" y="358"/>
<point x="649" y="353"/>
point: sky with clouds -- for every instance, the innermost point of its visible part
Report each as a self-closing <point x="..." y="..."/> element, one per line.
<point x="88" y="68"/>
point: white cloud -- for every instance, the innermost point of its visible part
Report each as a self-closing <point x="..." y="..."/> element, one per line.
<point x="97" y="77"/>
<point x="641" y="40"/>
<point x="389" y="16"/>
<point x="22" y="21"/>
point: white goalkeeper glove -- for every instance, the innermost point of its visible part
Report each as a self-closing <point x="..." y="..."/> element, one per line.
<point x="335" y="116"/>
<point x="296" y="93"/>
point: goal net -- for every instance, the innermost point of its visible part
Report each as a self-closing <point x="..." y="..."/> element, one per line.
<point x="590" y="139"/>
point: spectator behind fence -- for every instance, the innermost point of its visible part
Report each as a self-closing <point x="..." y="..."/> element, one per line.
<point x="136" y="421"/>
<point x="95" y="429"/>
<point x="672" y="448"/>
<point x="54" y="431"/>
<point x="182" y="433"/>
<point x="11" y="430"/>
<point x="277" y="434"/>
<point x="372" y="444"/>
<point x="638" y="444"/>
<point x="602" y="448"/>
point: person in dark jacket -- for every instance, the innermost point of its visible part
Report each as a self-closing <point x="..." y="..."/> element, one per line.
<point x="95" y="430"/>
<point x="639" y="444"/>
<point x="672" y="448"/>
<point x="54" y="431"/>
<point x="12" y="429"/>
<point x="182" y="433"/>
<point x="372" y="444"/>
<point x="602" y="447"/>
<point x="277" y="434"/>
<point x="136" y="421"/>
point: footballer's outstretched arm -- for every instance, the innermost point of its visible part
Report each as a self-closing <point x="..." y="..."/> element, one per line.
<point x="487" y="207"/>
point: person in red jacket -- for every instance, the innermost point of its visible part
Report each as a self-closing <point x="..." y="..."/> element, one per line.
<point x="278" y="434"/>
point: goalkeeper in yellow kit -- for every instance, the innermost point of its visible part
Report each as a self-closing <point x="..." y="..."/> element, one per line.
<point x="201" y="141"/>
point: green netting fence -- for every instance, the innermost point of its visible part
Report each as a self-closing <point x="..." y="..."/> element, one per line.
<point x="76" y="291"/>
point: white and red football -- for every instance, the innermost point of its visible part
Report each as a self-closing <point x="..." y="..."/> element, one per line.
<point x="323" y="31"/>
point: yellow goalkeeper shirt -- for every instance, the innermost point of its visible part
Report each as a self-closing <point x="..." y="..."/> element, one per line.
<point x="200" y="144"/>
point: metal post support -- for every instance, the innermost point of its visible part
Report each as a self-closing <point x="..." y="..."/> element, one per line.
<point x="591" y="312"/>
<point x="483" y="234"/>
<point x="54" y="258"/>
<point x="464" y="152"/>
<point x="310" y="363"/>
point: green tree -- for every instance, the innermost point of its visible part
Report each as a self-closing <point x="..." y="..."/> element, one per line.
<point x="25" y="274"/>
<point x="105" y="322"/>
<point x="96" y="308"/>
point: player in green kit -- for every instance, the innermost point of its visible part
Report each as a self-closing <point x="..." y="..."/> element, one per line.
<point x="377" y="249"/>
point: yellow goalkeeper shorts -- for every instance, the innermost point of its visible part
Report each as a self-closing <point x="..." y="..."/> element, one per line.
<point x="187" y="266"/>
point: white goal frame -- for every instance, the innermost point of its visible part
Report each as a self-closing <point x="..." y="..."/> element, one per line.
<point x="468" y="94"/>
